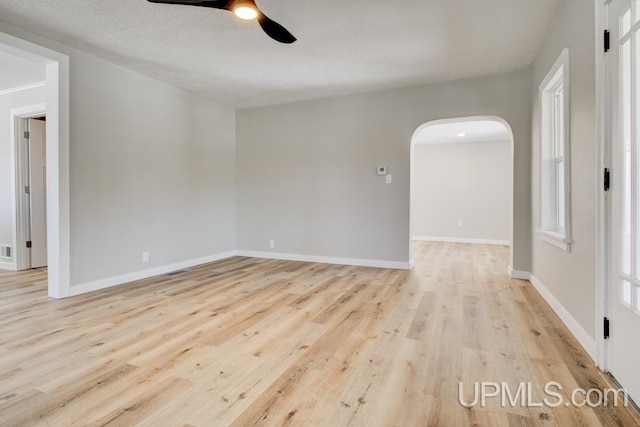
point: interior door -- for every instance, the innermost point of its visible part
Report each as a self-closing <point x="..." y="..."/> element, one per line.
<point x="624" y="297"/>
<point x="38" y="192"/>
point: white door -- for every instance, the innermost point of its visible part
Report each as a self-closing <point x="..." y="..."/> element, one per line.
<point x="624" y="293"/>
<point x="38" y="192"/>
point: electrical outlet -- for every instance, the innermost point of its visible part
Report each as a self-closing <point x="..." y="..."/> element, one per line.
<point x="145" y="257"/>
<point x="272" y="244"/>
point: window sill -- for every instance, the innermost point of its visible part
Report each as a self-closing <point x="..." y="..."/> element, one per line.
<point x="556" y="239"/>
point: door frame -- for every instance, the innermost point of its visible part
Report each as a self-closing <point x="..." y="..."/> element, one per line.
<point x="603" y="200"/>
<point x="58" y="193"/>
<point x="19" y="200"/>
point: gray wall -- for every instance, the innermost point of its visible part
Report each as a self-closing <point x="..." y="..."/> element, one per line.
<point x="468" y="182"/>
<point x="306" y="171"/>
<point x="571" y="276"/>
<point x="151" y="169"/>
<point x="23" y="98"/>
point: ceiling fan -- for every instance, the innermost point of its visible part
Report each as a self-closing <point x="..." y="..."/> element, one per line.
<point x="243" y="9"/>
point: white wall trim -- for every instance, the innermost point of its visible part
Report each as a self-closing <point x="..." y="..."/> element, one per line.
<point x="145" y="274"/>
<point x="585" y="340"/>
<point x="393" y="265"/>
<point x="560" y="71"/>
<point x="19" y="217"/>
<point x="518" y="274"/>
<point x="461" y="240"/>
<point x="157" y="271"/>
<point x="58" y="191"/>
<point x="7" y="265"/>
<point x="556" y="239"/>
<point x="603" y="160"/>
<point x="19" y="88"/>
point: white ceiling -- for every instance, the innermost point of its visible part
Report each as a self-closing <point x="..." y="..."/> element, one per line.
<point x="474" y="131"/>
<point x="16" y="71"/>
<point x="344" y="46"/>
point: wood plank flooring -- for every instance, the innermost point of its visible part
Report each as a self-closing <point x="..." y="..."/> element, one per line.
<point x="246" y="342"/>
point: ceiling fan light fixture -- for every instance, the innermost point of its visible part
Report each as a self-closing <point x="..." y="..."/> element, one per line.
<point x="245" y="11"/>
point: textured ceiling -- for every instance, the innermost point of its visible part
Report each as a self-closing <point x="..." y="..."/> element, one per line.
<point x="474" y="131"/>
<point x="16" y="71"/>
<point x="343" y="46"/>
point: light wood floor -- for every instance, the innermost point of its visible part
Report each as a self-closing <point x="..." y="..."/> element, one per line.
<point x="244" y="341"/>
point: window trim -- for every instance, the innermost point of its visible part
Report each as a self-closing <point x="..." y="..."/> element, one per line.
<point x="558" y="74"/>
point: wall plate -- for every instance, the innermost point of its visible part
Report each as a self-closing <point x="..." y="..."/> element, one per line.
<point x="382" y="170"/>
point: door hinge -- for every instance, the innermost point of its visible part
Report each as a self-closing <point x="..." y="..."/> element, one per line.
<point x="27" y="190"/>
<point x="27" y="134"/>
<point x="28" y="243"/>
<point x="606" y="179"/>
<point x="607" y="41"/>
<point x="606" y="328"/>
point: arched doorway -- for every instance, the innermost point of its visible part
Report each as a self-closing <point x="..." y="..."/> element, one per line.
<point x="472" y="132"/>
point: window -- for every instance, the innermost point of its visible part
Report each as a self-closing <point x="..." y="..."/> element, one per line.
<point x="555" y="170"/>
<point x="628" y="226"/>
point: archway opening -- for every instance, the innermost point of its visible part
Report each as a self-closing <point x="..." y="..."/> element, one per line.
<point x="462" y="182"/>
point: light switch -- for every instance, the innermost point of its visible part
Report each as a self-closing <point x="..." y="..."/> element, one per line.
<point x="389" y="179"/>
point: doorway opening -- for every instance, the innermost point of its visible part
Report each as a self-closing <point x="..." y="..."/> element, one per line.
<point x="53" y="169"/>
<point x="462" y="182"/>
<point x="30" y="154"/>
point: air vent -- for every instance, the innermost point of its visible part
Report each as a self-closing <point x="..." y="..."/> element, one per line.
<point x="6" y="251"/>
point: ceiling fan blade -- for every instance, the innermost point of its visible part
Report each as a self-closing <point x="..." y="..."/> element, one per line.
<point x="271" y="27"/>
<point x="275" y="30"/>
<point x="214" y="4"/>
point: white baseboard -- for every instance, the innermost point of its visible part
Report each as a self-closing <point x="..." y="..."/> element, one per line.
<point x="587" y="342"/>
<point x="518" y="274"/>
<point x="157" y="271"/>
<point x="145" y="274"/>
<point x="7" y="265"/>
<point x="394" y="265"/>
<point x="461" y="240"/>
